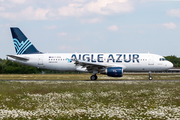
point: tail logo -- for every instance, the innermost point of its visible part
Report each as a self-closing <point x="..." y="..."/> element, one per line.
<point x="69" y="60"/>
<point x="21" y="47"/>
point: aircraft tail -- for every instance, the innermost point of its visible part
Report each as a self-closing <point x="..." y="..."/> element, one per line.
<point x="21" y="43"/>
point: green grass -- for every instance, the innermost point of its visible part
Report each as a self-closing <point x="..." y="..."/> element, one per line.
<point x="90" y="100"/>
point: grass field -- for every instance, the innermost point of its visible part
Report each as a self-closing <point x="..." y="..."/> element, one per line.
<point x="90" y="100"/>
<point x="87" y="99"/>
<point x="127" y="76"/>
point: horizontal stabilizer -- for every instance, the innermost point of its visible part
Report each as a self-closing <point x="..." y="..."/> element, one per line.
<point x="18" y="57"/>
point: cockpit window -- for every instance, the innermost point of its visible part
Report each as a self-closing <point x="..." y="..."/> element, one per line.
<point x="162" y="59"/>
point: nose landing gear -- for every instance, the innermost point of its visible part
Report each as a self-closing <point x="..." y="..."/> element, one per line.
<point x="150" y="77"/>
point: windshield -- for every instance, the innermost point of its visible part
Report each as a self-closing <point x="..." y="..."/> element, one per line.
<point x="162" y="59"/>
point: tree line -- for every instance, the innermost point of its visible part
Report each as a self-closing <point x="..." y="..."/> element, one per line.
<point x="9" y="67"/>
<point x="174" y="59"/>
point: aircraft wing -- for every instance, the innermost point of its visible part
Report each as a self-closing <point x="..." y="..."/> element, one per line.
<point x="18" y="57"/>
<point x="90" y="66"/>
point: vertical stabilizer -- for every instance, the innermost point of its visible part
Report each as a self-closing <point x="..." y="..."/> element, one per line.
<point x="21" y="43"/>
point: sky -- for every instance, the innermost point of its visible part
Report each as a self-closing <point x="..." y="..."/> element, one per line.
<point x="103" y="26"/>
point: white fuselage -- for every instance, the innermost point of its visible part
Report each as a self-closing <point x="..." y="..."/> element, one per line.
<point x="128" y="61"/>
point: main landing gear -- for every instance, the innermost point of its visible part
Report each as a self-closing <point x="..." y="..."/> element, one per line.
<point x="150" y="77"/>
<point x="94" y="77"/>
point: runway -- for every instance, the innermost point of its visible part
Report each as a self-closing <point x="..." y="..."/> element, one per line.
<point x="92" y="80"/>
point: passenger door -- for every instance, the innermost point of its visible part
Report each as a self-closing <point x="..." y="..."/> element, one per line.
<point x="151" y="60"/>
<point x="40" y="60"/>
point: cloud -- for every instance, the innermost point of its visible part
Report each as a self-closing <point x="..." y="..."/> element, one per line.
<point x="79" y="0"/>
<point x="31" y="14"/>
<point x="19" y="1"/>
<point x="71" y="10"/>
<point x="39" y="10"/>
<point x="93" y="20"/>
<point x="170" y="25"/>
<point x="103" y="7"/>
<point x="145" y="1"/>
<point x="27" y="14"/>
<point x="7" y="15"/>
<point x="174" y="12"/>
<point x="62" y="34"/>
<point x="106" y="7"/>
<point x="113" y="28"/>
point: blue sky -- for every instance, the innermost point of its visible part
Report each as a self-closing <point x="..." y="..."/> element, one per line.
<point x="107" y="26"/>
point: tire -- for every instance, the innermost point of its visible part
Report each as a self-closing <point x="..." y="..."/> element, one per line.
<point x="93" y="77"/>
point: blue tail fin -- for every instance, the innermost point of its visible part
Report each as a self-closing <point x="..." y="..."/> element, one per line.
<point x="21" y="43"/>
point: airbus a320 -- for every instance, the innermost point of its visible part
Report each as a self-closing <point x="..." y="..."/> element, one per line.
<point x="111" y="64"/>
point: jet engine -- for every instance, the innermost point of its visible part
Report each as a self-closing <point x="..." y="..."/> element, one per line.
<point x="114" y="71"/>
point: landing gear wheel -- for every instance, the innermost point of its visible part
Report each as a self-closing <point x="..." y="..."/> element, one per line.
<point x="150" y="78"/>
<point x="93" y="77"/>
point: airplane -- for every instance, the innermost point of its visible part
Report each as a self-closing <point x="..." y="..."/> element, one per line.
<point x="111" y="64"/>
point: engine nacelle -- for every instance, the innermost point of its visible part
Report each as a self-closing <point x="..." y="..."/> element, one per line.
<point x="114" y="71"/>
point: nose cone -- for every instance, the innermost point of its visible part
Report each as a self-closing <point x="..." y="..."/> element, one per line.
<point x="169" y="65"/>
